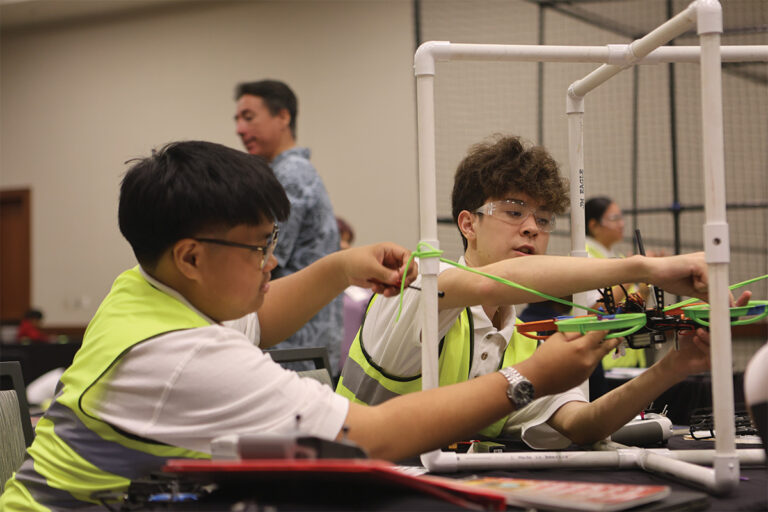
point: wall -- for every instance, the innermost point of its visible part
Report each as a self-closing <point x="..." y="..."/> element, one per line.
<point x="79" y="99"/>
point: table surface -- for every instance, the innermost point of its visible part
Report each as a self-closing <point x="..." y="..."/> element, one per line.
<point x="342" y="494"/>
<point x="751" y="494"/>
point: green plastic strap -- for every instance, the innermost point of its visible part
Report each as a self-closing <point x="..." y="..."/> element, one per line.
<point x="431" y="252"/>
<point x="732" y="287"/>
<point x="756" y="310"/>
<point x="630" y="322"/>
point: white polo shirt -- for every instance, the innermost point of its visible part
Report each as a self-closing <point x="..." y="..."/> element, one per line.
<point x="395" y="346"/>
<point x="187" y="387"/>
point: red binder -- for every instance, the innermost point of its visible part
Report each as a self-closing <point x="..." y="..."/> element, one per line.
<point x="352" y="472"/>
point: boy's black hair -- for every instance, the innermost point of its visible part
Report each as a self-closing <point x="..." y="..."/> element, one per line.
<point x="188" y="187"/>
<point x="595" y="209"/>
<point x="275" y="94"/>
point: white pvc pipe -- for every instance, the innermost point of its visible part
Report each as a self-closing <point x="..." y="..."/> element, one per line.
<point x="725" y="475"/>
<point x="748" y="456"/>
<point x="616" y="54"/>
<point x="690" y="54"/>
<point x="637" y="50"/>
<point x="428" y="267"/>
<point x="575" y="113"/>
<point x="698" y="475"/>
<point x="612" y="458"/>
<point x="717" y="245"/>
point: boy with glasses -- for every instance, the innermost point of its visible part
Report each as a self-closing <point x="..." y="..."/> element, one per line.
<point x="160" y="374"/>
<point x="504" y="202"/>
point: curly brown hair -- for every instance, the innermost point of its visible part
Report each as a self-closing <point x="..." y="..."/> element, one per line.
<point x="505" y="164"/>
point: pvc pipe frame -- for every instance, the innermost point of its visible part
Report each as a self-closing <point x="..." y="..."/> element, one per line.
<point x="707" y="14"/>
<point x="609" y="456"/>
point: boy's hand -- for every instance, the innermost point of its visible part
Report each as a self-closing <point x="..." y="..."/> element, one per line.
<point x="379" y="267"/>
<point x="692" y="355"/>
<point x="565" y="360"/>
<point x="741" y="301"/>
<point x="685" y="274"/>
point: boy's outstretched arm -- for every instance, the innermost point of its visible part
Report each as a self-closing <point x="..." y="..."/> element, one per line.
<point x="558" y="276"/>
<point x="292" y="300"/>
<point x="418" y="422"/>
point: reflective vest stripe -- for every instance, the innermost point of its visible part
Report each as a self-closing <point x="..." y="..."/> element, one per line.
<point x="364" y="382"/>
<point x="38" y="491"/>
<point x="354" y="377"/>
<point x="106" y="456"/>
<point x="69" y="469"/>
<point x="75" y="455"/>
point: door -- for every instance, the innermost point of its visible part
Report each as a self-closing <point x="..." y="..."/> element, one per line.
<point x="15" y="254"/>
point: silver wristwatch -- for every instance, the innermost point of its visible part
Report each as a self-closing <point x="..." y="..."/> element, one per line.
<point x="520" y="389"/>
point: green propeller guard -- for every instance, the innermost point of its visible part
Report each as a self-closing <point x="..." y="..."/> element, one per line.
<point x="754" y="309"/>
<point x="631" y="322"/>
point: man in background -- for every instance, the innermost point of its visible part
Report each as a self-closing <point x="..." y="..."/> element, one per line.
<point x="266" y="123"/>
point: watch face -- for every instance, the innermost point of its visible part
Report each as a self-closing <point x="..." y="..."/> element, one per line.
<point x="523" y="392"/>
<point x="520" y="389"/>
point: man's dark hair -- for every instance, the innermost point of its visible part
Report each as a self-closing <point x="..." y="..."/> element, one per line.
<point x="595" y="209"/>
<point x="494" y="169"/>
<point x="188" y="187"/>
<point x="275" y="94"/>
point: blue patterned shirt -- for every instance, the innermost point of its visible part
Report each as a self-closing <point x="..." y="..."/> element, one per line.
<point x="309" y="234"/>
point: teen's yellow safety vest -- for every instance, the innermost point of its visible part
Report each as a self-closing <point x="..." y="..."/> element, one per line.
<point x="364" y="382"/>
<point x="76" y="459"/>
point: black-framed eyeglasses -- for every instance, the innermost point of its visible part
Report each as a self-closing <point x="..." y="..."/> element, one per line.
<point x="266" y="250"/>
<point x="515" y="212"/>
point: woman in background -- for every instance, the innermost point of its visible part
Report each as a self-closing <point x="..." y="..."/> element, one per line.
<point x="605" y="228"/>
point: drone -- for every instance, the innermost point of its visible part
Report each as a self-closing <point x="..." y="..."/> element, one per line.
<point x="631" y="319"/>
<point x="639" y="324"/>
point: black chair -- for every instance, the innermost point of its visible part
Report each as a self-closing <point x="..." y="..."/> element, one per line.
<point x="318" y="355"/>
<point x="11" y="379"/>
<point x="15" y="426"/>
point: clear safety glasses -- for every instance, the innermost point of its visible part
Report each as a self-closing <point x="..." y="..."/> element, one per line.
<point x="515" y="212"/>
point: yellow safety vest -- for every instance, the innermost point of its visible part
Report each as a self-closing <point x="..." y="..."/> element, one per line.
<point x="76" y="457"/>
<point x="364" y="382"/>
